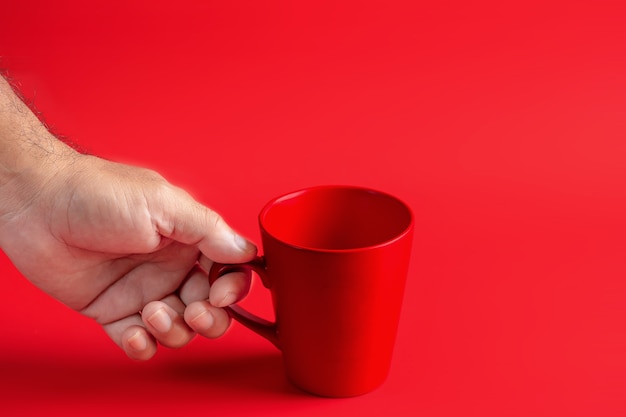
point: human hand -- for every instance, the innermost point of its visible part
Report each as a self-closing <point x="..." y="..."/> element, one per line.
<point x="121" y="245"/>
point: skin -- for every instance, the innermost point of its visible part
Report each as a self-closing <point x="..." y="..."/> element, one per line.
<point x="114" y="242"/>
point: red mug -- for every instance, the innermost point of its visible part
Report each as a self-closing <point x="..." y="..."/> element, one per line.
<point x="335" y="261"/>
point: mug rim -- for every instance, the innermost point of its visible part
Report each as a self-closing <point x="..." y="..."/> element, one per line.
<point x="398" y="236"/>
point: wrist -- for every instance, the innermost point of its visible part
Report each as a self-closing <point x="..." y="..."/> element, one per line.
<point x="30" y="155"/>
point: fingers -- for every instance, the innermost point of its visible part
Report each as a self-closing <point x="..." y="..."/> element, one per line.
<point x="178" y="216"/>
<point x="132" y="337"/>
<point x="227" y="289"/>
<point x="160" y="322"/>
<point x="138" y="344"/>
<point x="207" y="320"/>
<point x="202" y="316"/>
<point x="164" y="320"/>
<point x="174" y="320"/>
<point x="196" y="286"/>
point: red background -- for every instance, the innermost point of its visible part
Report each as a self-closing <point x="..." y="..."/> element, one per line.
<point x="503" y="126"/>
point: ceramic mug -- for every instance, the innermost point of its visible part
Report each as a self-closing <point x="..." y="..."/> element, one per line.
<point x="335" y="261"/>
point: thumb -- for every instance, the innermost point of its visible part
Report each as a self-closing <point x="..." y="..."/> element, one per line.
<point x="185" y="220"/>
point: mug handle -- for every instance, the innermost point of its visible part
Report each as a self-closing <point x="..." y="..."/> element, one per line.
<point x="263" y="327"/>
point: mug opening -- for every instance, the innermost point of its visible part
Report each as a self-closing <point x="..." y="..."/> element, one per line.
<point x="336" y="218"/>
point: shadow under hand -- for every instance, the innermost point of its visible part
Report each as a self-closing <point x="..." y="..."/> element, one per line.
<point x="33" y="381"/>
<point x="260" y="373"/>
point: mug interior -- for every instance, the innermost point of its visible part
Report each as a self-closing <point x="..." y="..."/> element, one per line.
<point x="336" y="218"/>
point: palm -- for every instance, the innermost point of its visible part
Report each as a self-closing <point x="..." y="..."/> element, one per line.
<point x="108" y="286"/>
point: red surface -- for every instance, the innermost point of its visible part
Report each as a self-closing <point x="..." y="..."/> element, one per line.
<point x="503" y="126"/>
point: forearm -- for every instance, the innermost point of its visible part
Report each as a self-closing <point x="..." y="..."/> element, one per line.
<point x="29" y="153"/>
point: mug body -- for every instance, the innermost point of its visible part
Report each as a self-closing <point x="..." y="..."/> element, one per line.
<point x="337" y="260"/>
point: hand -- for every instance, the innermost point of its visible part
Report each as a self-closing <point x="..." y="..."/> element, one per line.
<point x="121" y="245"/>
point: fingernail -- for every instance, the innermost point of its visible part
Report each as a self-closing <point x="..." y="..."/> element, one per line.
<point x="228" y="299"/>
<point x="137" y="341"/>
<point x="161" y="321"/>
<point x="242" y="243"/>
<point x="203" y="321"/>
